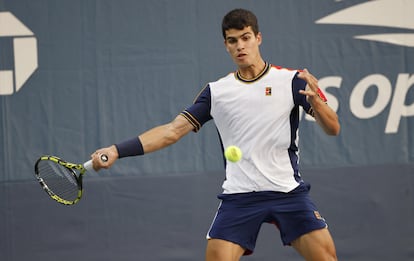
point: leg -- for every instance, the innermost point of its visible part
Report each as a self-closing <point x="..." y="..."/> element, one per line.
<point x="222" y="250"/>
<point x="317" y="245"/>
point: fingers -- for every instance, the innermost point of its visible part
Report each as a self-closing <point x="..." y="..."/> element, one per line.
<point x="308" y="93"/>
<point x="104" y="158"/>
<point x="96" y="162"/>
<point x="309" y="78"/>
<point x="312" y="86"/>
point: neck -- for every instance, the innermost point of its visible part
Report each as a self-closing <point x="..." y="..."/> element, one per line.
<point x="251" y="71"/>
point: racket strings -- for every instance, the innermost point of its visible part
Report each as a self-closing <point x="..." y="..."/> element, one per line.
<point x="58" y="179"/>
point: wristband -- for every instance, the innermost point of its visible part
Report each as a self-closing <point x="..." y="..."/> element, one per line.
<point x="129" y="148"/>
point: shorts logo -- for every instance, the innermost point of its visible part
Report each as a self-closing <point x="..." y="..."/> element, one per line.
<point x="268" y="91"/>
<point x="317" y="215"/>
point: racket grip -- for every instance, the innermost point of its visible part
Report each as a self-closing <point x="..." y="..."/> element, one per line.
<point x="89" y="166"/>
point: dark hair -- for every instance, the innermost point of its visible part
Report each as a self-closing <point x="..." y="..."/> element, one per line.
<point x="239" y="19"/>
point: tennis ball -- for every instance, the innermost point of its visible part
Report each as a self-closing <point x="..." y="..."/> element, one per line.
<point x="233" y="153"/>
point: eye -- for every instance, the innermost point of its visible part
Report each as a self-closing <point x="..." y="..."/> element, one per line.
<point x="231" y="40"/>
<point x="246" y="37"/>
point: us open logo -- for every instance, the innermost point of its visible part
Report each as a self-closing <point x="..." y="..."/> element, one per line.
<point x="24" y="48"/>
<point x="394" y="14"/>
<point x="382" y="13"/>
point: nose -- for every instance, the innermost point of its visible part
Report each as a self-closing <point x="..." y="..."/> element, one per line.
<point x="240" y="45"/>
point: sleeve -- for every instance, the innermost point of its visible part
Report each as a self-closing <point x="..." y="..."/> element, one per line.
<point x="199" y="112"/>
<point x="300" y="99"/>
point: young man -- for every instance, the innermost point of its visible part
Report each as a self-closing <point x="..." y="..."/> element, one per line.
<point x="257" y="109"/>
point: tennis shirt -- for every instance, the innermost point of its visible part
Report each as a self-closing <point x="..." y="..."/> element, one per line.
<point x="261" y="117"/>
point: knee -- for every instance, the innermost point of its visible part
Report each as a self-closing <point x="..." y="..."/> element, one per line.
<point x="221" y="250"/>
<point x="330" y="254"/>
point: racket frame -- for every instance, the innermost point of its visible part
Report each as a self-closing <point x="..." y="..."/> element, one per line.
<point x="72" y="167"/>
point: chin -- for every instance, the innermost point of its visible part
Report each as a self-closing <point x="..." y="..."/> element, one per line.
<point x="242" y="64"/>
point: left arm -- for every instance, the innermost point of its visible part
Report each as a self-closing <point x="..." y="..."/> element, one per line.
<point x="324" y="115"/>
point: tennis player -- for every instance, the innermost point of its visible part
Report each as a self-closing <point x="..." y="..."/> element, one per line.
<point x="257" y="109"/>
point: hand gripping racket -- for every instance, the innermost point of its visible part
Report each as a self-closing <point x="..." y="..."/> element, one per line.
<point x="59" y="178"/>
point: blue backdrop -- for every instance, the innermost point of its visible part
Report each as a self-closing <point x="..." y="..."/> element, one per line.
<point x="78" y="75"/>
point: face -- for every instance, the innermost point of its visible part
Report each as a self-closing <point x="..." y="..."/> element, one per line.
<point x="243" y="46"/>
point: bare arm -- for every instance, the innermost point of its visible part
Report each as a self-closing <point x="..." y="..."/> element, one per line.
<point x="165" y="135"/>
<point x="151" y="140"/>
<point x="324" y="115"/>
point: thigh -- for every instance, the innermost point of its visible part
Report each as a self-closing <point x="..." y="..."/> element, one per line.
<point x="316" y="245"/>
<point x="238" y="223"/>
<point x="222" y="250"/>
<point x="296" y="216"/>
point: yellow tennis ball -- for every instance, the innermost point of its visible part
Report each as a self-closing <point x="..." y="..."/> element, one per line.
<point x="233" y="153"/>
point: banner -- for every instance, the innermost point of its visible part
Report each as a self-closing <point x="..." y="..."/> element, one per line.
<point x="79" y="75"/>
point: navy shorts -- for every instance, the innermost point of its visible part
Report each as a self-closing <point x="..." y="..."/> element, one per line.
<point x="241" y="215"/>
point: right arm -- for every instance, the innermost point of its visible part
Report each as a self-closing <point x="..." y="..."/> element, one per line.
<point x="165" y="135"/>
<point x="152" y="140"/>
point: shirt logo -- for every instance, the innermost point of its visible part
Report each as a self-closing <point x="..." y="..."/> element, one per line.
<point x="268" y="91"/>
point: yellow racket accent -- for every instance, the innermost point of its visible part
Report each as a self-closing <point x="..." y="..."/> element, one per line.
<point x="59" y="178"/>
<point x="57" y="181"/>
<point x="64" y="163"/>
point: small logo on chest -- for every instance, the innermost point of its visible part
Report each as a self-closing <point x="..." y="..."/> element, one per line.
<point x="268" y="91"/>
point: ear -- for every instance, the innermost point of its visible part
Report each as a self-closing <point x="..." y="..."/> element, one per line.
<point x="259" y="38"/>
<point x="225" y="45"/>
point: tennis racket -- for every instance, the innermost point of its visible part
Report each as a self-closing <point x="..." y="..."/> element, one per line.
<point x="62" y="180"/>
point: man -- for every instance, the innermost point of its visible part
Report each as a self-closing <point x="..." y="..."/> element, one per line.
<point x="257" y="109"/>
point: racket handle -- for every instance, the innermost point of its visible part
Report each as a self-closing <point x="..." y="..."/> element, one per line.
<point x="89" y="166"/>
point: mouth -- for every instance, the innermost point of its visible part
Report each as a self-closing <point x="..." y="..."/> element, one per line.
<point x="241" y="57"/>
